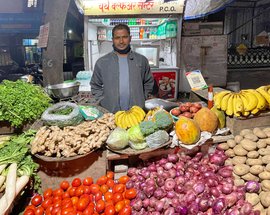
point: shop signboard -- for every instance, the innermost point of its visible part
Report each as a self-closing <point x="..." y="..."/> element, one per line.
<point x="132" y="7"/>
<point x="43" y="36"/>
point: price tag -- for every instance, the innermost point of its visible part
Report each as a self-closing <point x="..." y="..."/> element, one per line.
<point x="196" y="80"/>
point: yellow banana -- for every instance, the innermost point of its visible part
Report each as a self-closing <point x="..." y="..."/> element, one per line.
<point x="261" y="100"/>
<point x="116" y="116"/>
<point x="218" y="97"/>
<point x="120" y="121"/>
<point x="229" y="108"/>
<point x="224" y="101"/>
<point x="236" y="106"/>
<point x="132" y="119"/>
<point x="254" y="111"/>
<point x="140" y="112"/>
<point x="252" y="100"/>
<point x="239" y="106"/>
<point x="246" y="113"/>
<point x="263" y="90"/>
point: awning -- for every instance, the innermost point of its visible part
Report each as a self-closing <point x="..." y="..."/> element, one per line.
<point x="200" y="8"/>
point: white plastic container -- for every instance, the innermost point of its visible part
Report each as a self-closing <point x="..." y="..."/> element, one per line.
<point x="84" y="77"/>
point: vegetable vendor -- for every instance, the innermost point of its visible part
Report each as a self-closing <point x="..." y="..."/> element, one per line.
<point x="121" y="78"/>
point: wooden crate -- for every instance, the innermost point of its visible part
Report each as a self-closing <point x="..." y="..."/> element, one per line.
<point x="237" y="124"/>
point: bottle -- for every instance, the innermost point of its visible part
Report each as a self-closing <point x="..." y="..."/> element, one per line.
<point x="210" y="102"/>
<point x="141" y="33"/>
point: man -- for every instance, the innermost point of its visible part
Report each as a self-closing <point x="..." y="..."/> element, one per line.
<point x="121" y="78"/>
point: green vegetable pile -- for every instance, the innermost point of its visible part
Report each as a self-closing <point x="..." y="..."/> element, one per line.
<point x="62" y="111"/>
<point x="16" y="150"/>
<point x="21" y="102"/>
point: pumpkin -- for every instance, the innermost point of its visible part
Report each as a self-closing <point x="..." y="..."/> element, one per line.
<point x="187" y="130"/>
<point x="206" y="119"/>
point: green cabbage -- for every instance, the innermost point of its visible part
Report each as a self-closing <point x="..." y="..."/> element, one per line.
<point x="118" y="139"/>
<point x="135" y="135"/>
<point x="137" y="146"/>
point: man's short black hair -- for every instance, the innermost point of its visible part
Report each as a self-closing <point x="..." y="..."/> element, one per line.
<point x="119" y="27"/>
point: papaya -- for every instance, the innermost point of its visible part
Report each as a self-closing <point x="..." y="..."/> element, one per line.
<point x="187" y="130"/>
<point x="206" y="119"/>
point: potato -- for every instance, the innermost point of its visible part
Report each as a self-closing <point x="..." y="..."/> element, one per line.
<point x="228" y="162"/>
<point x="251" y="137"/>
<point x="267" y="168"/>
<point x="241" y="169"/>
<point x="239" y="150"/>
<point x="239" y="182"/>
<point x="259" y="133"/>
<point x="268" y="211"/>
<point x="266" y="129"/>
<point x="265" y="185"/>
<point x="238" y="138"/>
<point x="264" y="151"/>
<point x="231" y="143"/>
<point x="261" y="143"/>
<point x="229" y="153"/>
<point x="223" y="146"/>
<point x="256" y="169"/>
<point x="252" y="198"/>
<point x="239" y="160"/>
<point x="248" y="144"/>
<point x="267" y="132"/>
<point x="245" y="131"/>
<point x="265" y="199"/>
<point x="267" y="141"/>
<point x="250" y="177"/>
<point x="252" y="162"/>
<point x="264" y="175"/>
<point x="253" y="154"/>
<point x="258" y="207"/>
<point x="266" y="159"/>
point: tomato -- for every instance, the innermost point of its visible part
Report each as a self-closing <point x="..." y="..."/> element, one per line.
<point x="75" y="200"/>
<point x="110" y="183"/>
<point x="39" y="210"/>
<point x="119" y="205"/>
<point x="88" y="181"/>
<point x="126" y="210"/>
<point x="100" y="206"/>
<point x="86" y="190"/>
<point x="56" y="211"/>
<point x="102" y="180"/>
<point x="110" y="175"/>
<point x="104" y="188"/>
<point x="79" y="191"/>
<point x="58" y="192"/>
<point x="89" y="210"/>
<point x="130" y="193"/>
<point x="47" y="193"/>
<point x="47" y="202"/>
<point x="36" y="200"/>
<point x="83" y="203"/>
<point x="30" y="207"/>
<point x="65" y="195"/>
<point x="110" y="202"/>
<point x="108" y="196"/>
<point x="57" y="198"/>
<point x="109" y="210"/>
<point x="64" y="185"/>
<point x="72" y="191"/>
<point x="67" y="211"/>
<point x="119" y="188"/>
<point x="76" y="182"/>
<point x="79" y="213"/>
<point x="94" y="188"/>
<point x="127" y="201"/>
<point x="66" y="203"/>
<point x="123" y="179"/>
<point x="29" y="212"/>
<point x="98" y="196"/>
<point x="57" y="203"/>
<point x="49" y="209"/>
<point x="117" y="197"/>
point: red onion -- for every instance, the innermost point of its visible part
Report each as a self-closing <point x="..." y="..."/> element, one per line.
<point x="149" y="191"/>
<point x="173" y="158"/>
<point x="190" y="197"/>
<point x="203" y="204"/>
<point x="145" y="173"/>
<point x="246" y="209"/>
<point x="146" y="203"/>
<point x="169" y="184"/>
<point x="181" y="210"/>
<point x="219" y="206"/>
<point x="141" y="195"/>
<point x="162" y="161"/>
<point x="180" y="180"/>
<point x="152" y="168"/>
<point x="168" y="166"/>
<point x="136" y="204"/>
<point x="160" y="181"/>
<point x="198" y="187"/>
<point x="227" y="188"/>
<point x="171" y="194"/>
<point x="155" y="213"/>
<point x="132" y="171"/>
<point x="150" y="182"/>
<point x="129" y="184"/>
<point x="211" y="181"/>
<point x="169" y="211"/>
<point x="215" y="192"/>
<point x="231" y="199"/>
<point x="179" y="165"/>
<point x="160" y="171"/>
<point x="252" y="187"/>
<point x="159" y="193"/>
<point x="217" y="159"/>
<point x="172" y="173"/>
<point x="175" y="201"/>
<point x="152" y="202"/>
<point x="179" y="188"/>
<point x="197" y="157"/>
<point x="193" y="208"/>
<point x="159" y="206"/>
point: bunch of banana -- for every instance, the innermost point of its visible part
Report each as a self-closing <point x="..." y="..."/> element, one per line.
<point x="243" y="103"/>
<point x="129" y="118"/>
<point x="151" y="113"/>
<point x="265" y="91"/>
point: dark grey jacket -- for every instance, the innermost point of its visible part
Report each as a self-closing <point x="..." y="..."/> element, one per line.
<point x="105" y="80"/>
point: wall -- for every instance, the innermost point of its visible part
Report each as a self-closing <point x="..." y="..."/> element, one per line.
<point x="11" y="6"/>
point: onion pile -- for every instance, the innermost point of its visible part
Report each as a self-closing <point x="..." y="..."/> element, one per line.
<point x="180" y="184"/>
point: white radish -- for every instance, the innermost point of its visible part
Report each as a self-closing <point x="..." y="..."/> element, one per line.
<point x="20" y="184"/>
<point x="2" y="180"/>
<point x="2" y="167"/>
<point x="11" y="183"/>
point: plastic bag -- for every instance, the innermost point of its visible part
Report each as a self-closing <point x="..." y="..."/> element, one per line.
<point x="118" y="139"/>
<point x="50" y="116"/>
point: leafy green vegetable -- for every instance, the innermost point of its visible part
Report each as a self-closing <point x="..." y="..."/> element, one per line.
<point x="135" y="135"/>
<point x="118" y="139"/>
<point x="62" y="111"/>
<point x="163" y="120"/>
<point x="147" y="127"/>
<point x="21" y="102"/>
